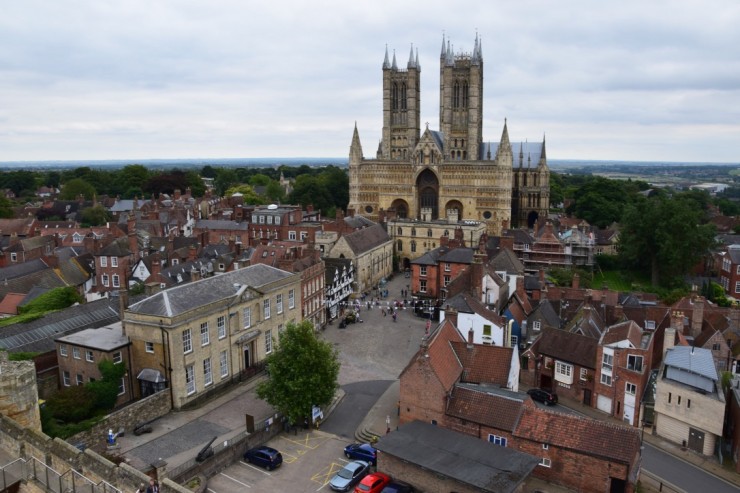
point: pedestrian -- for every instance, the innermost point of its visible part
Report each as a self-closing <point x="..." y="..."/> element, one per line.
<point x="394" y="316"/>
<point x="153" y="486"/>
<point x="142" y="488"/>
<point x="383" y="310"/>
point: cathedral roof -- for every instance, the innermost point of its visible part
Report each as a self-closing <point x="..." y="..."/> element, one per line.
<point x="526" y="154"/>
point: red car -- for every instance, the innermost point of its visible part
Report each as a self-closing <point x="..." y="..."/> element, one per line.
<point x="373" y="483"/>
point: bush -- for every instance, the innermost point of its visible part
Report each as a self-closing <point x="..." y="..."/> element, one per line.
<point x="72" y="404"/>
<point x="56" y="299"/>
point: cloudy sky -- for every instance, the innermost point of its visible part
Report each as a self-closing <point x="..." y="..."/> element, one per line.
<point x="135" y="79"/>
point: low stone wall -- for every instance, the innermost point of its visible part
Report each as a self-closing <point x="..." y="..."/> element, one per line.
<point x="141" y="411"/>
<point x="61" y="457"/>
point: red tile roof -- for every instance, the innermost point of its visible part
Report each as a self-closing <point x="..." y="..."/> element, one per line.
<point x="483" y="363"/>
<point x="477" y="405"/>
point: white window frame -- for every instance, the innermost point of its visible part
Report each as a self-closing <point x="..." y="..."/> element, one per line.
<point x="149" y="347"/>
<point x="224" y="363"/>
<point x="247" y="317"/>
<point x="606" y="379"/>
<point x="279" y="303"/>
<point x="291" y="299"/>
<point x="114" y="261"/>
<point x="63" y="350"/>
<point x="422" y="285"/>
<point x="423" y="270"/>
<point x="190" y="380"/>
<point x="76" y="353"/>
<point x="13" y="257"/>
<point x="584" y="374"/>
<point x="448" y="267"/>
<point x="536" y="325"/>
<point x="291" y="235"/>
<point x="207" y="372"/>
<point x="737" y="287"/>
<point x="497" y="440"/>
<point x="205" y="334"/>
<point x="636" y="358"/>
<point x="103" y="261"/>
<point x="545" y="462"/>
<point x="116" y="280"/>
<point x="630" y="388"/>
<point x="117" y="357"/>
<point x="122" y="386"/>
<point x="65" y="378"/>
<point x="80" y="380"/>
<point x="268" y="341"/>
<point x="221" y="326"/>
<point x="104" y="279"/>
<point x="266" y="308"/>
<point x="607" y="360"/>
<point x="187" y="341"/>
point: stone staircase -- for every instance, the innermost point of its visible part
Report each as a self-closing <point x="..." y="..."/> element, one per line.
<point x="364" y="435"/>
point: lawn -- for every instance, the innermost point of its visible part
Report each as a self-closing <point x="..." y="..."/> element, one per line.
<point x="622" y="280"/>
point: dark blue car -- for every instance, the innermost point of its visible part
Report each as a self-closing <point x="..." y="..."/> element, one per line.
<point x="361" y="451"/>
<point x="266" y="457"/>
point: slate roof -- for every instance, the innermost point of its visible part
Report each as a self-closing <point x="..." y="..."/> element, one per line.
<point x="357" y="221"/>
<point x="497" y="408"/>
<point x="38" y="335"/>
<point x="106" y="338"/>
<point x="507" y="261"/>
<point x="221" y="224"/>
<point x="22" y="269"/>
<point x="117" y="248"/>
<point x="46" y="278"/>
<point x="187" y="297"/>
<point x="569" y="347"/>
<point x="469" y="460"/>
<point x="624" y="331"/>
<point x="584" y="435"/>
<point x="366" y="239"/>
<point x="694" y="360"/>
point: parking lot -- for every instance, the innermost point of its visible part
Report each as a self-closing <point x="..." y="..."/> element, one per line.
<point x="310" y="459"/>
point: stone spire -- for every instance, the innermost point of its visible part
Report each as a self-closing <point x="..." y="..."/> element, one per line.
<point x="418" y="67"/>
<point x="386" y="63"/>
<point x="521" y="154"/>
<point x="355" y="149"/>
<point x="443" y="53"/>
<point x="394" y="66"/>
<point x="543" y="154"/>
<point x="449" y="59"/>
<point x="475" y="60"/>
<point x="412" y="63"/>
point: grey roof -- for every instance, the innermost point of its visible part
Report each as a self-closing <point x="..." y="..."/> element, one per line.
<point x="22" y="269"/>
<point x="46" y="278"/>
<point x="507" y="261"/>
<point x="107" y="338"/>
<point x="461" y="255"/>
<point x="357" y="221"/>
<point x="366" y="239"/>
<point x="221" y="224"/>
<point x="690" y="361"/>
<point x="187" y="297"/>
<point x="469" y="460"/>
<point x="526" y="154"/>
<point x="38" y="335"/>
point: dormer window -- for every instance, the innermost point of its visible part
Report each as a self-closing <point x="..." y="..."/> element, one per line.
<point x="650" y="324"/>
<point x="76" y="238"/>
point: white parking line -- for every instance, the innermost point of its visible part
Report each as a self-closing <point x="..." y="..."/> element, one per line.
<point x="234" y="480"/>
<point x="255" y="468"/>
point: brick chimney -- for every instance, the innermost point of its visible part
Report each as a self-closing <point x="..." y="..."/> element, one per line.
<point x="444" y="241"/>
<point x="451" y="315"/>
<point x="471" y="336"/>
<point x="618" y="312"/>
<point x="133" y="240"/>
<point x="156" y="264"/>
<point x="477" y="273"/>
<point x="192" y="253"/>
<point x="697" y="315"/>
<point x="177" y="194"/>
<point x="506" y="242"/>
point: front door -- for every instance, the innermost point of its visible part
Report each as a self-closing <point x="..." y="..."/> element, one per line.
<point x="696" y="440"/>
<point x="587" y="397"/>
<point x="247" y="358"/>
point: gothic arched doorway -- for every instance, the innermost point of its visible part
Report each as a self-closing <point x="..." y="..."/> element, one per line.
<point x="428" y="189"/>
<point x="401" y="207"/>
<point x="532" y="219"/>
<point x="456" y="207"/>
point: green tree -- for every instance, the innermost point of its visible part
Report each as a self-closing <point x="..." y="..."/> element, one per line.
<point x="133" y="177"/>
<point x="94" y="216"/>
<point x="6" y="208"/>
<point x="250" y="196"/>
<point x="225" y="178"/>
<point x="105" y="390"/>
<point x="275" y="192"/>
<point x="303" y="372"/>
<point x="310" y="190"/>
<point x="259" y="180"/>
<point x="21" y="182"/>
<point x="665" y="235"/>
<point x="336" y="182"/>
<point x="76" y="187"/>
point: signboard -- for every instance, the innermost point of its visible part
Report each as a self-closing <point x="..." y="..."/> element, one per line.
<point x="316" y="414"/>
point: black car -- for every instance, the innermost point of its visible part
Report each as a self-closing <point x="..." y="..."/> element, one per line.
<point x="549" y="398"/>
<point x="396" y="486"/>
<point x="267" y="457"/>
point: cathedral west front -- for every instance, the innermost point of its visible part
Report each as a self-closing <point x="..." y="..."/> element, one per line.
<point x="450" y="172"/>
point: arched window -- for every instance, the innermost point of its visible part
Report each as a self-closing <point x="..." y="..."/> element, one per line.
<point x="400" y="231"/>
<point x="447" y="232"/>
<point x="403" y="96"/>
<point x="413" y="246"/>
<point x="399" y="246"/>
<point x="429" y="233"/>
<point x="456" y="95"/>
<point x="413" y="231"/>
<point x="465" y="95"/>
<point x="394" y="96"/>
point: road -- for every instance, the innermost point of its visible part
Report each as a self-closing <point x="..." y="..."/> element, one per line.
<point x="681" y="473"/>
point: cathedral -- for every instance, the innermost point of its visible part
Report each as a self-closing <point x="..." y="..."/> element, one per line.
<point x="450" y="172"/>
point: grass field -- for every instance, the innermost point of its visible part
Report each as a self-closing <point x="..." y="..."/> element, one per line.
<point x="620" y="280"/>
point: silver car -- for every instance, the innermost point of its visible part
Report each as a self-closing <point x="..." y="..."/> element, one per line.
<point x="349" y="476"/>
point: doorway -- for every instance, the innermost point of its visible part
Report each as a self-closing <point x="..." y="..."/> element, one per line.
<point x="587" y="397"/>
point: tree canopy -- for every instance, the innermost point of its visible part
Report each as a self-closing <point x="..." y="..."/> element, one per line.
<point x="303" y="370"/>
<point x="666" y="235"/>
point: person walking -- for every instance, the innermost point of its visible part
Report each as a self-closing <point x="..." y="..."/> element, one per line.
<point x="394" y="316"/>
<point x="153" y="486"/>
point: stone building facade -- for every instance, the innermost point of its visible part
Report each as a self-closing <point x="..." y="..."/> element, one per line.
<point x="208" y="333"/>
<point x="426" y="175"/>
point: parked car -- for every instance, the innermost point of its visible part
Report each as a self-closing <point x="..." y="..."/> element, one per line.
<point x="549" y="398"/>
<point x="349" y="476"/>
<point x="397" y="486"/>
<point x="373" y="483"/>
<point x="266" y="457"/>
<point x="361" y="451"/>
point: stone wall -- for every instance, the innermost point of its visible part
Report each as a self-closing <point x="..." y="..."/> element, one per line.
<point x="18" y="394"/>
<point x="141" y="411"/>
<point x="60" y="456"/>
